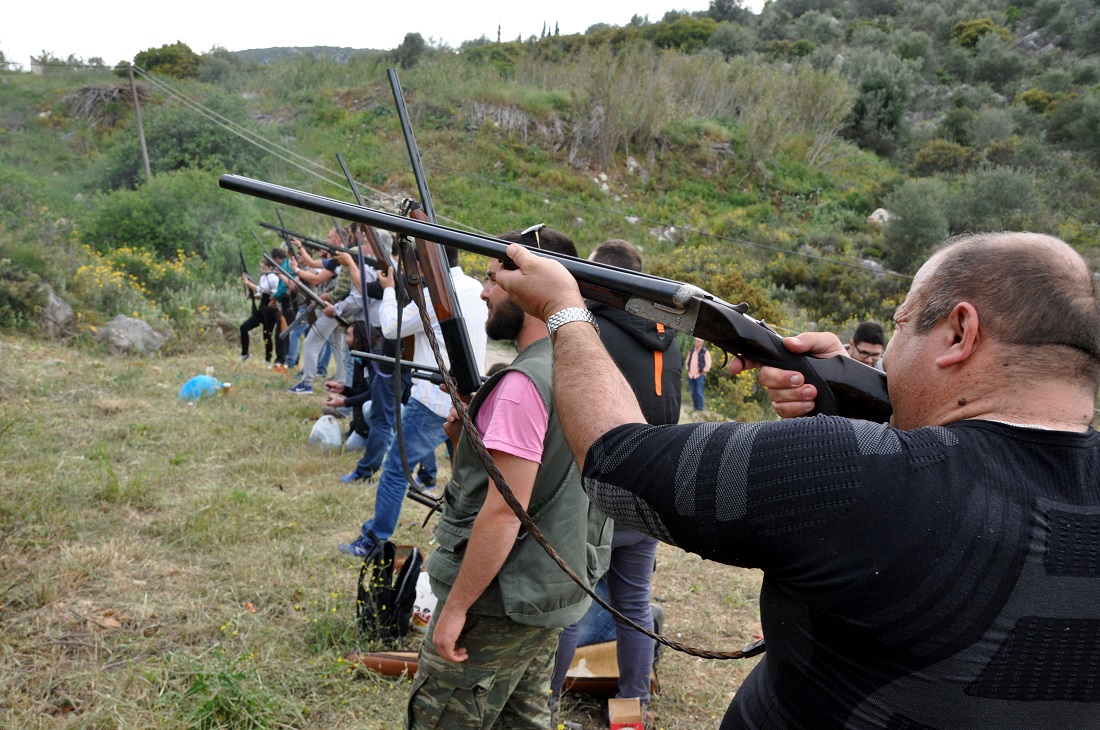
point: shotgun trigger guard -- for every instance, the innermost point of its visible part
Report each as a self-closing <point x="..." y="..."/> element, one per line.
<point x="681" y="320"/>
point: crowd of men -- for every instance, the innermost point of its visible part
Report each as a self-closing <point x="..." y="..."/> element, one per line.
<point x="937" y="571"/>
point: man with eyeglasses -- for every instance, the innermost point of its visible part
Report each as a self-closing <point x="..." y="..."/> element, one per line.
<point x="867" y="344"/>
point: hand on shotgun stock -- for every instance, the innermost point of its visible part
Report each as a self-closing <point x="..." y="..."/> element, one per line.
<point x="790" y="395"/>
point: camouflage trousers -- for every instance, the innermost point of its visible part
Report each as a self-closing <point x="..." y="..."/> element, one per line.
<point x="504" y="682"/>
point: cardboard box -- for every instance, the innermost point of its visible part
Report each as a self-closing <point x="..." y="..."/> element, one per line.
<point x="625" y="713"/>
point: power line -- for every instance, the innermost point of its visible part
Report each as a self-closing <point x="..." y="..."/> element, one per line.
<point x="306" y="165"/>
<point x="320" y="171"/>
<point x="665" y="224"/>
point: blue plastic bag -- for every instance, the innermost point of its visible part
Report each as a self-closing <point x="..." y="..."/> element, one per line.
<point x="199" y="387"/>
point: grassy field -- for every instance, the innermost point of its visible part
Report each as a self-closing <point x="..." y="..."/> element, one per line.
<point x="167" y="565"/>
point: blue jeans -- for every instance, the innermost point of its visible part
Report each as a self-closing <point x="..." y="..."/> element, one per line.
<point x="323" y="358"/>
<point x="596" y="625"/>
<point x="349" y="368"/>
<point x="628" y="588"/>
<point x="695" y="385"/>
<point x="423" y="431"/>
<point x="294" y="342"/>
<point x="382" y="410"/>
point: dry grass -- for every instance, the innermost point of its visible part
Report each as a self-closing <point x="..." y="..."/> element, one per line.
<point x="165" y="565"/>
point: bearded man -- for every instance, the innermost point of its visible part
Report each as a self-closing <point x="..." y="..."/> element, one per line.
<point x="488" y="656"/>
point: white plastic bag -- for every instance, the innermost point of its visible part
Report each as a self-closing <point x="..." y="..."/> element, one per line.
<point x="424" y="605"/>
<point x="326" y="433"/>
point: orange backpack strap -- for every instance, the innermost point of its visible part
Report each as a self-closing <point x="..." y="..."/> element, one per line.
<point x="658" y="363"/>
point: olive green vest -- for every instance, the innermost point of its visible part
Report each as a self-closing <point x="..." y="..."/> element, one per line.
<point x="530" y="588"/>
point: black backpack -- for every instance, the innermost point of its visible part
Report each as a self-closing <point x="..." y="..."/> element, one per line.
<point x="383" y="606"/>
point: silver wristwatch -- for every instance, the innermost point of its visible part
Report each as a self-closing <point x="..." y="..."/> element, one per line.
<point x="569" y="314"/>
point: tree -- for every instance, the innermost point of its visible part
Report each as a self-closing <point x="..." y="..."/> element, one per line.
<point x="732" y="11"/>
<point x="919" y="222"/>
<point x="732" y="39"/>
<point x="884" y="87"/>
<point x="995" y="199"/>
<point x="995" y="62"/>
<point x="177" y="138"/>
<point x="410" y="50"/>
<point x="686" y="34"/>
<point x="176" y="60"/>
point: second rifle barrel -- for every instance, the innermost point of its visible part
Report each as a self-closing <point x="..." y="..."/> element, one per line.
<point x="428" y="369"/>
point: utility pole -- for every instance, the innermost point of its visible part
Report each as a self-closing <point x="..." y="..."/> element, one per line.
<point x="141" y="129"/>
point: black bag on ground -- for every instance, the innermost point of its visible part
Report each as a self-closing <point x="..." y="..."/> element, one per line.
<point x="383" y="605"/>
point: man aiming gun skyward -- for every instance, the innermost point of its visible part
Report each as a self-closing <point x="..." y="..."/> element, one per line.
<point x="939" y="572"/>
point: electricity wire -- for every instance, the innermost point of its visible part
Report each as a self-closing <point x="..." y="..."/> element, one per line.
<point x="322" y="173"/>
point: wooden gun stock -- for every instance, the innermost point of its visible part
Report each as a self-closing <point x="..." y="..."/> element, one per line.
<point x="437" y="278"/>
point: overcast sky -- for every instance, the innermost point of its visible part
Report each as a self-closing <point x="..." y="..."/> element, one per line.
<point x="116" y="32"/>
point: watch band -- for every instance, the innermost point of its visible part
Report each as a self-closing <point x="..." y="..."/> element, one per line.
<point x="569" y="314"/>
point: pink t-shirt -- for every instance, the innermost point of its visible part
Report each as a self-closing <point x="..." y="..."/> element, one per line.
<point x="513" y="418"/>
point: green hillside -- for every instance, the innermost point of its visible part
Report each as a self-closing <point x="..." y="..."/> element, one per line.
<point x="742" y="152"/>
<point x="171" y="564"/>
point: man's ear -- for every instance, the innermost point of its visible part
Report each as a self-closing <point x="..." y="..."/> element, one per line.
<point x="960" y="335"/>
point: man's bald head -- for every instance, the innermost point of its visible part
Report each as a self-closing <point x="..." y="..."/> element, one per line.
<point x="1031" y="292"/>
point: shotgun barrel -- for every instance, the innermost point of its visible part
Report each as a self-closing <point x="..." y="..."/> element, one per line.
<point x="846" y="387"/>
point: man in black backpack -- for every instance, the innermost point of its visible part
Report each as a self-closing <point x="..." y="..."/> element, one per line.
<point x="646" y="354"/>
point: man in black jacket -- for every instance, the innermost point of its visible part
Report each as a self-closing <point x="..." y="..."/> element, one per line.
<point x="647" y="355"/>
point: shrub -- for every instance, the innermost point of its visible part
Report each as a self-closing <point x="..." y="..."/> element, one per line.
<point x="1036" y="100"/>
<point x="184" y="209"/>
<point x="992" y="125"/>
<point x="996" y="63"/>
<point x="1076" y="123"/>
<point x="1003" y="152"/>
<point x="19" y="196"/>
<point x="176" y="60"/>
<point x="105" y="290"/>
<point x="732" y="39"/>
<point x="411" y="49"/>
<point x="22" y="296"/>
<point x="707" y="267"/>
<point x="832" y="293"/>
<point x="957" y="125"/>
<point x="819" y="28"/>
<point x="1086" y="37"/>
<point x="884" y="87"/>
<point x="784" y="50"/>
<point x="942" y="156"/>
<point x="686" y="34"/>
<point x="967" y="33"/>
<point x="914" y="46"/>
<point x="738" y="398"/>
<point x="994" y="199"/>
<point x="920" y="221"/>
